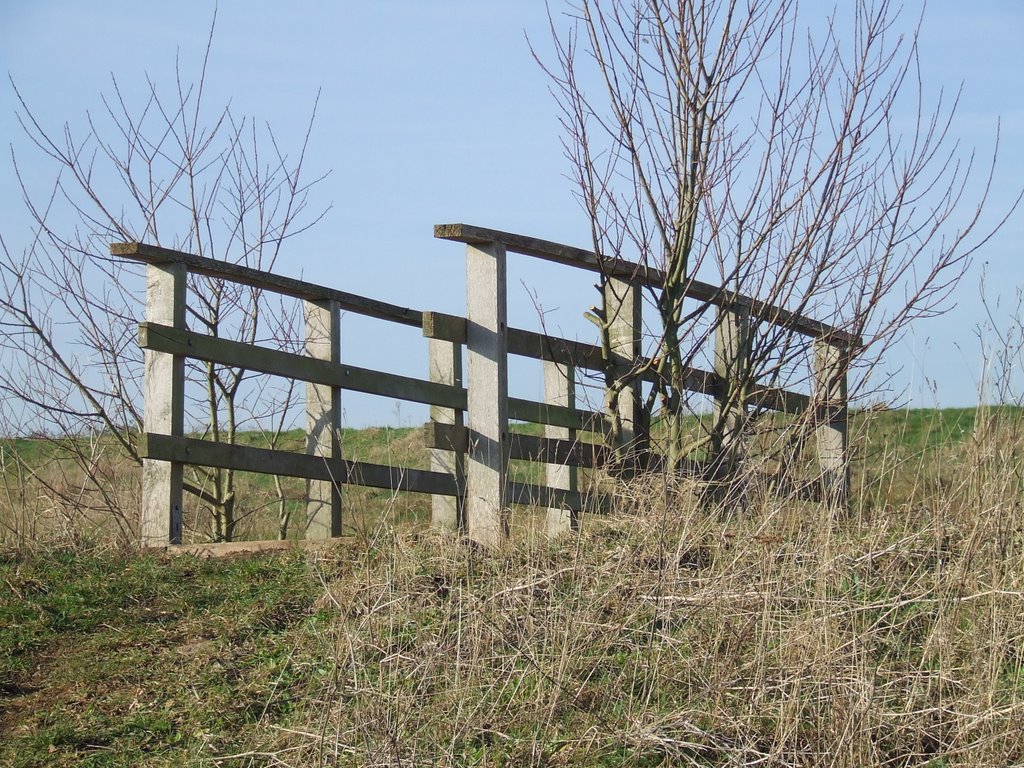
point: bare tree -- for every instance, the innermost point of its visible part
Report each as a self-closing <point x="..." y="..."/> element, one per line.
<point x="732" y="142"/>
<point x="170" y="172"/>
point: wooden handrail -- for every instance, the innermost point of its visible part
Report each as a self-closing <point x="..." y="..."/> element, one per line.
<point x="639" y="273"/>
<point x="256" y="278"/>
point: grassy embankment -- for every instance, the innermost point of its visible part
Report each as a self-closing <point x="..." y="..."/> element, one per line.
<point x="665" y="634"/>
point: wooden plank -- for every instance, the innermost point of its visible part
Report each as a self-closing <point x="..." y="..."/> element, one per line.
<point x="551" y="450"/>
<point x="539" y="346"/>
<point x="697" y="380"/>
<point x="447" y="437"/>
<point x="555" y="415"/>
<point x="487" y="401"/>
<point x="550" y="251"/>
<point x="323" y="416"/>
<point x="237" y="273"/>
<point x="529" y="494"/>
<point x="302" y="367"/>
<point x="552" y="349"/>
<point x="163" y="409"/>
<point x="243" y="458"/>
<point x="162" y="338"/>
<point x="525" y="447"/>
<point x="438" y="325"/>
<point x="777" y="399"/>
<point x="631" y="271"/>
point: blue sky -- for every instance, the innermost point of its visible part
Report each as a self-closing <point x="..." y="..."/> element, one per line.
<point x="434" y="111"/>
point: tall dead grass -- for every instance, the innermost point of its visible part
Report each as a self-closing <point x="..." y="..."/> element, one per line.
<point x="670" y="633"/>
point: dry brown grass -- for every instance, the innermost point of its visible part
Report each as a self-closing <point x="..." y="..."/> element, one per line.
<point x="671" y="634"/>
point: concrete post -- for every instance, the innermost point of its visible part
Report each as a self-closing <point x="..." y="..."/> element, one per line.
<point x="560" y="389"/>
<point x="830" y="368"/>
<point x="323" y="420"/>
<point x="164" y="409"/>
<point x="487" y="394"/>
<point x="732" y="365"/>
<point x="623" y="306"/>
<point x="445" y="363"/>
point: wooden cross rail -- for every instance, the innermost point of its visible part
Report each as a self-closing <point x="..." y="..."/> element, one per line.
<point x="645" y="275"/>
<point x="267" y="281"/>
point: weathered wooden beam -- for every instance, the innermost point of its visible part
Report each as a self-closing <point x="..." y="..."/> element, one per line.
<point x="316" y="371"/>
<point x="552" y="349"/>
<point x="549" y="251"/>
<point x="244" y="458"/>
<point x="529" y="494"/>
<point x="163" y="409"/>
<point x="447" y="437"/>
<point x="555" y="415"/>
<point x="539" y="346"/>
<point x="776" y="399"/>
<point x="256" y="278"/>
<point x="526" y="447"/>
<point x="443" y="327"/>
<point x="487" y="394"/>
<point x="633" y="272"/>
<point x="323" y="413"/>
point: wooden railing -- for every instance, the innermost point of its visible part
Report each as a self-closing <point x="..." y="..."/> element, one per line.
<point x="471" y="444"/>
<point x="165" y="448"/>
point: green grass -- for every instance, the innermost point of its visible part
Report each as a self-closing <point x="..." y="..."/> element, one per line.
<point x="121" y="660"/>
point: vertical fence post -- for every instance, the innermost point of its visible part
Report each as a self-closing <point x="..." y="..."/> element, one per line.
<point x="164" y="408"/>
<point x="487" y="393"/>
<point x="323" y="419"/>
<point x="623" y="306"/>
<point x="830" y="366"/>
<point x="732" y="366"/>
<point x="560" y="389"/>
<point x="445" y="363"/>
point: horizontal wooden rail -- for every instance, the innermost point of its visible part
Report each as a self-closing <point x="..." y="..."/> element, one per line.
<point x="162" y="338"/>
<point x="288" y="286"/>
<point x="545" y="450"/>
<point x="529" y="494"/>
<point x="651" y="276"/>
<point x="243" y="458"/>
<point x="555" y="415"/>
<point x="782" y="400"/>
<point x="539" y="346"/>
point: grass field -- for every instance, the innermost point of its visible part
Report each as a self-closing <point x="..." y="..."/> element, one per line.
<point x="667" y="633"/>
